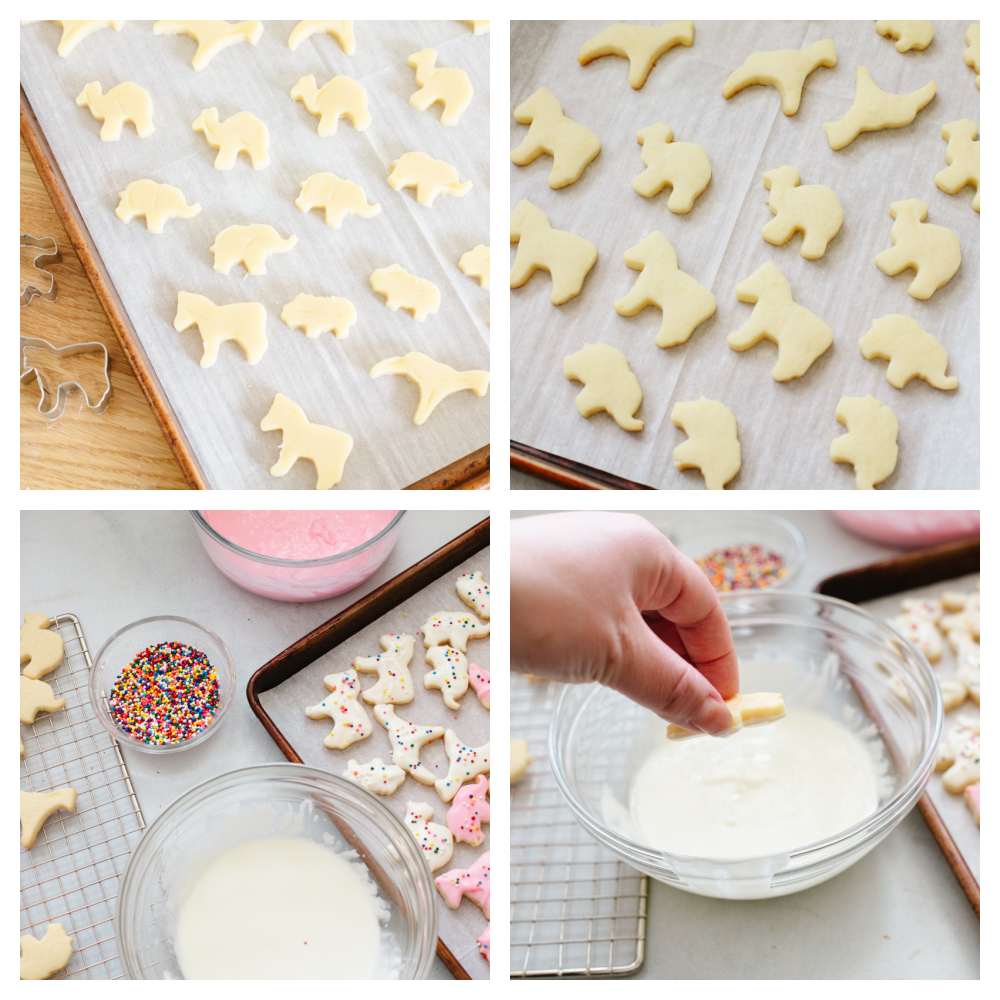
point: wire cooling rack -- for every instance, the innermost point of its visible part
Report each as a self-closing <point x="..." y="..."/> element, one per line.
<point x="71" y="874"/>
<point x="576" y="909"/>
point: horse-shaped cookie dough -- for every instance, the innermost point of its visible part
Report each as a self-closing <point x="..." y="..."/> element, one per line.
<point x="338" y="198"/>
<point x="683" y="165"/>
<point x="243" y="322"/>
<point x="472" y="882"/>
<point x="812" y="210"/>
<point x="609" y="384"/>
<point x="326" y="447"/>
<point x="342" y="97"/>
<point x="915" y="35"/>
<point x="910" y="350"/>
<point x="127" y="102"/>
<point x="343" y="31"/>
<point x="870" y="442"/>
<point x="157" y="202"/>
<point x="932" y="251"/>
<point x="962" y="157"/>
<point x="320" y="314"/>
<point x="350" y="720"/>
<point x="568" y="258"/>
<point x="406" y="291"/>
<point x="249" y="244"/>
<point x="874" y="109"/>
<point x="429" y="176"/>
<point x="971" y="56"/>
<point x="212" y="36"/>
<point x="450" y="88"/>
<point x="641" y="45"/>
<point x="239" y="133"/>
<point x="712" y="445"/>
<point x="434" y="379"/>
<point x="571" y="145"/>
<point x="785" y="70"/>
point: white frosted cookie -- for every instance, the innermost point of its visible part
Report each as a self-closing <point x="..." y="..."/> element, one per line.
<point x="406" y="741"/>
<point x="394" y="685"/>
<point x="464" y="763"/>
<point x="454" y="629"/>
<point x="434" y="839"/>
<point x="958" y="756"/>
<point x="375" y="777"/>
<point x="450" y="674"/>
<point x="350" y="720"/>
<point x="474" y="591"/>
<point x="919" y="623"/>
<point x="870" y="442"/>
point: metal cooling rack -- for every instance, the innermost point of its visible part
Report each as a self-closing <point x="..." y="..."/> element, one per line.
<point x="576" y="909"/>
<point x="71" y="874"/>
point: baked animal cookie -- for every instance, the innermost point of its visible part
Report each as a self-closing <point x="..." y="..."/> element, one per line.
<point x="568" y="258"/>
<point x="249" y="244"/>
<point x="472" y="882"/>
<point x="40" y="958"/>
<point x="337" y="198"/>
<point x="37" y="696"/>
<point x="239" y="133"/>
<point x="571" y="145"/>
<point x="75" y="32"/>
<point x="41" y="648"/>
<point x="376" y="777"/>
<point x="476" y="264"/>
<point x="157" y="202"/>
<point x="350" y="720"/>
<point x="434" y="379"/>
<point x="394" y="686"/>
<point x="972" y="52"/>
<point x="37" y="807"/>
<point x="801" y="336"/>
<point x="243" y="322"/>
<point x="341" y="97"/>
<point x="450" y="674"/>
<point x="758" y="709"/>
<point x="898" y="688"/>
<point x="451" y="88"/>
<point x="454" y="629"/>
<point x="812" y="210"/>
<point x="469" y="810"/>
<point x="479" y="27"/>
<point x="910" y="350"/>
<point x="785" y="70"/>
<point x="641" y="45"/>
<point x="932" y="251"/>
<point x="964" y="615"/>
<point x="326" y="447"/>
<point x="873" y="110"/>
<point x="434" y="839"/>
<point x="474" y="591"/>
<point x="406" y="742"/>
<point x="918" y="623"/>
<point x="682" y="165"/>
<point x="909" y="34"/>
<point x="870" y="444"/>
<point x="609" y="384"/>
<point x="971" y="800"/>
<point x="484" y="939"/>
<point x="953" y="694"/>
<point x="317" y="314"/>
<point x="464" y="763"/>
<point x="212" y="36"/>
<point x="127" y="102"/>
<point x="480" y="680"/>
<point x="429" y="176"/>
<point x="520" y="760"/>
<point x="962" y="157"/>
<point x="402" y="290"/>
<point x="343" y="31"/>
<point x="958" y="756"/>
<point x="712" y="445"/>
<point x="966" y="650"/>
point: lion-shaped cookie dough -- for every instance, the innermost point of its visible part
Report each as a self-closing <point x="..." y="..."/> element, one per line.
<point x="402" y="290"/>
<point x="157" y="202"/>
<point x="568" y="258"/>
<point x="910" y="350"/>
<point x="785" y="70"/>
<point x="712" y="445"/>
<point x="932" y="251"/>
<point x="341" y="97"/>
<point x="243" y="322"/>
<point x="609" y="384"/>
<point x="812" y="210"/>
<point x="337" y="198"/>
<point x="239" y="133"/>
<point x="326" y="447"/>
<point x="127" y="102"/>
<point x="682" y="165"/>
<point x="429" y="176"/>
<point x="641" y="45"/>
<point x="870" y="444"/>
<point x="249" y="244"/>
<point x="962" y="157"/>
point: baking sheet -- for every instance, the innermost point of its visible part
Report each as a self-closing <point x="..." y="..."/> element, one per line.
<point x="219" y="409"/>
<point x="785" y="429"/>
<point x="286" y="705"/>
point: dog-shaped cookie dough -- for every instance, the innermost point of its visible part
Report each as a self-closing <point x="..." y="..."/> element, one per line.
<point x="785" y="70"/>
<point x="337" y="198"/>
<point x="326" y="447"/>
<point x="873" y="110"/>
<point x="127" y="102"/>
<point x="609" y="384"/>
<point x="932" y="251"/>
<point x="870" y="442"/>
<point x="212" y="36"/>
<point x="910" y="350"/>
<point x="450" y="88"/>
<point x="406" y="291"/>
<point x="641" y="45"/>
<point x="239" y="133"/>
<point x="434" y="379"/>
<point x="343" y="31"/>
<point x="909" y="34"/>
<point x="962" y="157"/>
<point x="971" y="56"/>
<point x="157" y="202"/>
<point x="712" y="445"/>
<point x="568" y="258"/>
<point x="318" y="314"/>
<point x="683" y="165"/>
<point x="429" y="176"/>
<point x="249" y="244"/>
<point x="342" y="97"/>
<point x="243" y="322"/>
<point x="812" y="210"/>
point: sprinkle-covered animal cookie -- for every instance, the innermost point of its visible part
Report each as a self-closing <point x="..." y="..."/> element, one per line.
<point x="434" y="379"/>
<point x="406" y="741"/>
<point x="870" y="444"/>
<point x="350" y="720"/>
<point x="682" y="165"/>
<point x="873" y="110"/>
<point x="127" y="102"/>
<point x="571" y="145"/>
<point x="394" y="686"/>
<point x="337" y="198"/>
<point x="910" y="350"/>
<point x="343" y="31"/>
<point x="243" y="322"/>
<point x="757" y="709"/>
<point x="326" y="447"/>
<point x="239" y="133"/>
<point x="932" y="251"/>
<point x="971" y="800"/>
<point x="376" y="777"/>
<point x="318" y="314"/>
<point x="480" y="680"/>
<point x="75" y="32"/>
<point x="812" y="210"/>
<point x="476" y="264"/>
<point x="473" y="882"/>
<point x="469" y="810"/>
<point x="37" y="807"/>
<point x="641" y="45"/>
<point x="958" y="756"/>
<point x="712" y="445"/>
<point x="953" y="694"/>
<point x="474" y="591"/>
<point x="520" y="760"/>
<point x="609" y="384"/>
<point x="567" y="257"/>
<point x="962" y="156"/>
<point x="402" y="290"/>
<point x="918" y="623"/>
<point x="341" y="97"/>
<point x="484" y="939"/>
<point x="966" y="650"/>
<point x="450" y="88"/>
<point x="249" y="245"/>
<point x="434" y="839"/>
<point x="212" y="36"/>
<point x="37" y="696"/>
<point x="964" y="612"/>
<point x="429" y="176"/>
<point x="785" y="70"/>
<point x="40" y="958"/>
<point x="41" y="646"/>
<point x="971" y="56"/>
<point x="157" y="202"/>
<point x="450" y="674"/>
<point x="454" y="629"/>
<point x="909" y="34"/>
<point x="464" y="763"/>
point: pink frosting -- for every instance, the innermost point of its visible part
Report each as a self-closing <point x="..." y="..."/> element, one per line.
<point x="480" y="680"/>
<point x="972" y="799"/>
<point x="469" y="810"/>
<point x="910" y="528"/>
<point x="473" y="882"/>
<point x="484" y="943"/>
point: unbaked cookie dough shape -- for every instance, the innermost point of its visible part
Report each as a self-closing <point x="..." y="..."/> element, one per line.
<point x="336" y="197"/>
<point x="75" y="32"/>
<point x="932" y="251"/>
<point x="571" y="145"/>
<point x="402" y="290"/>
<point x="870" y="442"/>
<point x="41" y="646"/>
<point x="641" y="45"/>
<point x="908" y="34"/>
<point x="609" y="384"/>
<point x="451" y="88"/>
<point x="434" y="379"/>
<point x="37" y="807"/>
<point x="341" y="97"/>
<point x="343" y="31"/>
<point x="682" y="165"/>
<point x="239" y="133"/>
<point x="520" y="760"/>
<point x="157" y="202"/>
<point x="800" y="335"/>
<point x="812" y="210"/>
<point x="971" y="56"/>
<point x="568" y="258"/>
<point x="243" y="322"/>
<point x="962" y="157"/>
<point x="479" y="27"/>
<point x="873" y="110"/>
<point x="910" y="350"/>
<point x="475" y="263"/>
<point x="712" y="446"/>
<point x="317" y="314"/>
<point x="326" y="447"/>
<point x="212" y="36"/>
<point x="429" y="176"/>
<point x="785" y="70"/>
<point x="37" y="696"/>
<point x="249" y="244"/>
<point x="127" y="102"/>
<point x="40" y="958"/>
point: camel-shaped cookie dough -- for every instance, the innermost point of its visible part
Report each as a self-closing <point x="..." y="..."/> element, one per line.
<point x="479" y="27"/>
<point x="375" y="777"/>
<point x="434" y="839"/>
<point x="212" y="36"/>
<point x="350" y="720"/>
<point x="450" y="674"/>
<point x="37" y="807"/>
<point x="318" y="314"/>
<point x="873" y="109"/>
<point x="394" y="685"/>
<point x="932" y="251"/>
<point x="37" y="696"/>
<point x="475" y="263"/>
<point x="962" y="157"/>
<point x="757" y="709"/>
<point x="243" y="322"/>
<point x="326" y="447"/>
<point x="342" y="97"/>
<point x="157" y="202"/>
<point x="571" y="145"/>
<point x="712" y="445"/>
<point x="801" y="336"/>
<point x="406" y="741"/>
<point x="453" y="628"/>
<point x="41" y="647"/>
<point x="640" y="45"/>
<point x="609" y="384"/>
<point x="451" y="88"/>
<point x="40" y="958"/>
<point x="958" y="756"/>
<point x="685" y="304"/>
<point x="406" y="291"/>
<point x="785" y="70"/>
<point x="812" y="210"/>
<point x="343" y="31"/>
<point x="127" y="102"/>
<point x="464" y="763"/>
<point x="870" y="442"/>
<point x="239" y="133"/>
<point x="338" y="199"/>
<point x="429" y="176"/>
<point x="910" y="350"/>
<point x="249" y="244"/>
<point x="909" y="34"/>
<point x="568" y="258"/>
<point x="683" y="165"/>
<point x="972" y="52"/>
<point x="473" y="883"/>
<point x="75" y="32"/>
<point x="434" y="379"/>
<point x="474" y="591"/>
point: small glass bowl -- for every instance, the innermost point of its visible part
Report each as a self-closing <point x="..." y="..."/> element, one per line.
<point x="119" y="651"/>
<point x="284" y="799"/>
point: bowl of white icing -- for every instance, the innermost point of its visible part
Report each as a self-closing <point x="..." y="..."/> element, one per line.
<point x="278" y="871"/>
<point x="772" y="809"/>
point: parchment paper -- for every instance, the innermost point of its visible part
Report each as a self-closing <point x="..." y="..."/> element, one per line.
<point x="286" y="704"/>
<point x="785" y="429"/>
<point x="219" y="409"/>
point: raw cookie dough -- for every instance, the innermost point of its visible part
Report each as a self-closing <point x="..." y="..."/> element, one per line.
<point x="568" y="258"/>
<point x="429" y="176"/>
<point x="464" y="763"/>
<point x="212" y="36"/>
<point x="434" y="839"/>
<point x="451" y="88"/>
<point x="909" y="34"/>
<point x="472" y="882"/>
<point x="249" y="244"/>
<point x="338" y="199"/>
<point x="127" y="102"/>
<point x="326" y="447"/>
<point x="932" y="251"/>
<point x="520" y="760"/>
<point x="785" y="70"/>
<point x="476" y="264"/>
<point x="394" y="685"/>
<point x="239" y="133"/>
<point x="403" y="290"/>
<point x="571" y="145"/>
<point x="812" y="210"/>
<point x="343" y="31"/>
<point x="873" y="109"/>
<point x="406" y="742"/>
<point x="37" y="696"/>
<point x="434" y="379"/>
<point x="800" y="335"/>
<point x="962" y="157"/>
<point x="40" y="958"/>
<point x="318" y="314"/>
<point x="972" y="52"/>
<point x="685" y="303"/>
<point x="342" y="97"/>
<point x="474" y="591"/>
<point x="41" y="645"/>
<point x="870" y="444"/>
<point x="376" y="777"/>
<point x="450" y="675"/>
<point x="641" y="45"/>
<point x="157" y="202"/>
<point x="478" y="27"/>
<point x="469" y="810"/>
<point x="75" y="32"/>
<point x="682" y="165"/>
<point x="760" y="708"/>
<point x="609" y="384"/>
<point x="453" y="629"/>
<point x="243" y="322"/>
<point x="712" y="445"/>
<point x="910" y="350"/>
<point x="350" y="720"/>
<point x="37" y="807"/>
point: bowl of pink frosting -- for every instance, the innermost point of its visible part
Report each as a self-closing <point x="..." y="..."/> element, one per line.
<point x="298" y="555"/>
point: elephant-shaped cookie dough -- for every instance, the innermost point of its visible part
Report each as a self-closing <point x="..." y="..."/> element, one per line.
<point x="910" y="350"/>
<point x="338" y="198"/>
<point x="157" y="202"/>
<point x="250" y="244"/>
<point x="429" y="176"/>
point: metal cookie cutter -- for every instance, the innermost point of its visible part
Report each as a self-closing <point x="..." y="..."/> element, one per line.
<point x="47" y="247"/>
<point x="29" y="374"/>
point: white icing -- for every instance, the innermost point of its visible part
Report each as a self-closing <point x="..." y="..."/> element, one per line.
<point x="395" y="686"/>
<point x="406" y="740"/>
<point x="450" y="674"/>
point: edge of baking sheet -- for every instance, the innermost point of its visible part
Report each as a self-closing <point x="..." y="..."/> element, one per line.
<point x="566" y="472"/>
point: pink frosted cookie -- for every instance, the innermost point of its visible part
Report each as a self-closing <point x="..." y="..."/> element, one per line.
<point x="480" y="680"/>
<point x="469" y="811"/>
<point x="473" y="882"/>
<point x="484" y="943"/>
<point x="972" y="800"/>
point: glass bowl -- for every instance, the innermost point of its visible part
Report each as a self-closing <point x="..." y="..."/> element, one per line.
<point x="119" y="651"/>
<point x="288" y="800"/>
<point x="822" y="654"/>
<point x="297" y="579"/>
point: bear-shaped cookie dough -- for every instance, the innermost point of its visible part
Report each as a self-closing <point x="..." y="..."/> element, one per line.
<point x="249" y="244"/>
<point x="568" y="258"/>
<point x="243" y="322"/>
<point x="326" y="447"/>
<point x="785" y="70"/>
<point x="910" y="350"/>
<point x="641" y="45"/>
<point x="429" y="176"/>
<point x="609" y="384"/>
<point x="212" y="36"/>
<point x="962" y="157"/>
<point x="683" y="165"/>
<point x="343" y="31"/>
<point x="475" y="263"/>
<point x="127" y="102"/>
<point x="75" y="32"/>
<point x="402" y="290"/>
<point x="812" y="210"/>
<point x="932" y="251"/>
<point x="157" y="202"/>
<point x="341" y="97"/>
<point x="972" y="52"/>
<point x="909" y="34"/>
<point x="318" y="314"/>
<point x="870" y="442"/>
<point x="434" y="379"/>
<point x="239" y="133"/>
<point x="450" y="88"/>
<point x="712" y="445"/>
<point x="338" y="199"/>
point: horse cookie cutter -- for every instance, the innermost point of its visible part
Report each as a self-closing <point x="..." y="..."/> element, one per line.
<point x="47" y="248"/>
<point x="29" y="373"/>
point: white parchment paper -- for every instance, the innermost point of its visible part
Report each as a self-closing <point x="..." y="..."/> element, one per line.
<point x="286" y="705"/>
<point x="785" y="429"/>
<point x="219" y="409"/>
